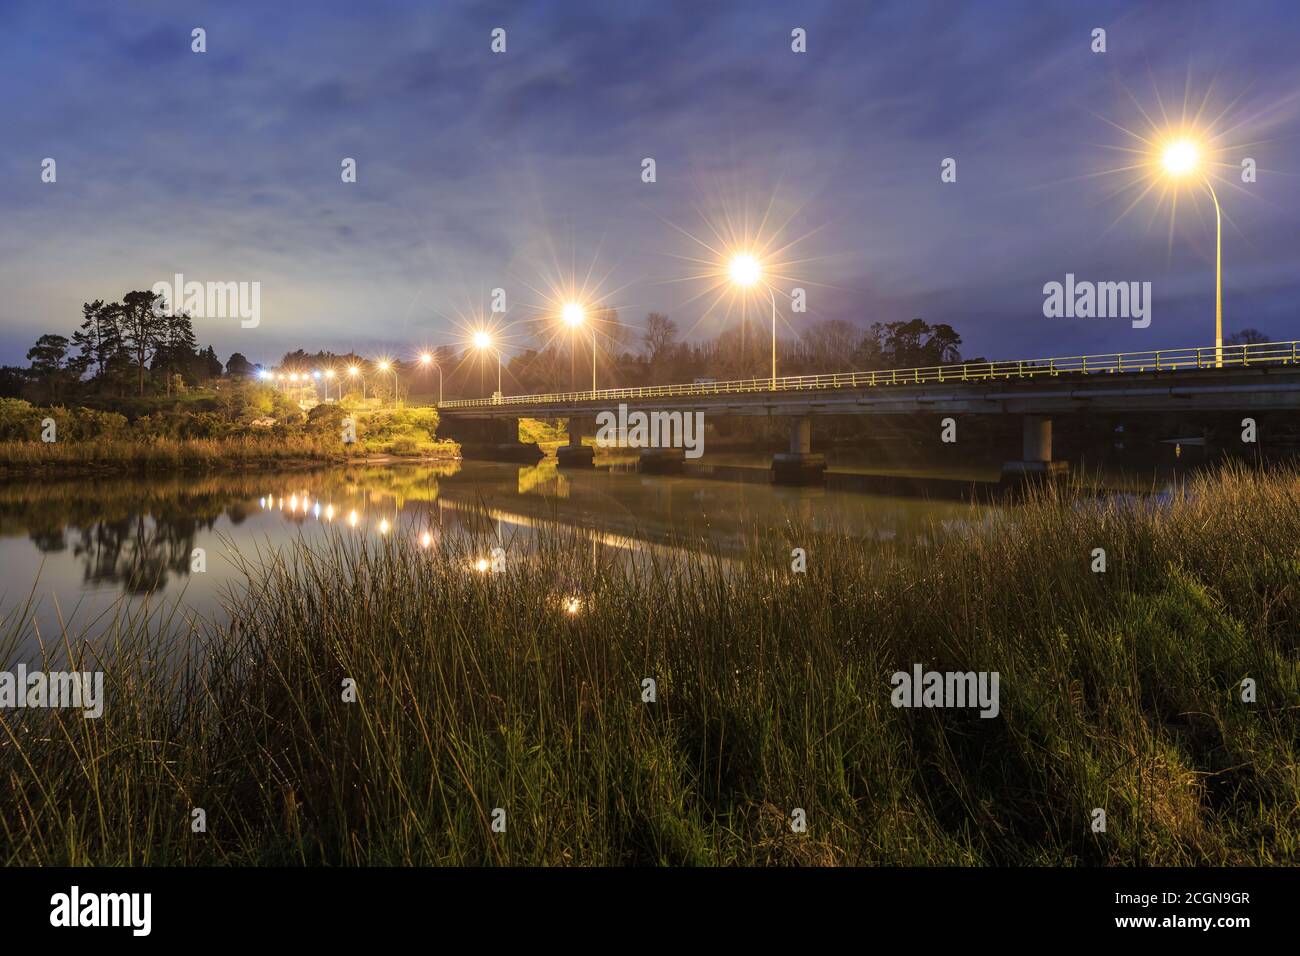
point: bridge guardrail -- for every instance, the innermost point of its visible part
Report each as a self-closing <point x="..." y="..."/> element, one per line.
<point x="1160" y="360"/>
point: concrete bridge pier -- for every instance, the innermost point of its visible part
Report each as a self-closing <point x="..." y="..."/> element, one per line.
<point x="663" y="461"/>
<point x="492" y="439"/>
<point x="575" y="454"/>
<point x="799" y="466"/>
<point x="1036" y="453"/>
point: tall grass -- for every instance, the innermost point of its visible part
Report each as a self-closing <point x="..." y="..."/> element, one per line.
<point x="1119" y="690"/>
<point x="159" y="455"/>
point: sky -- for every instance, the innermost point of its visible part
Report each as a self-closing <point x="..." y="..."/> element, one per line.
<point x="523" y="170"/>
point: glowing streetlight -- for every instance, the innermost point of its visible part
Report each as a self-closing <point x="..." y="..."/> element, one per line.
<point x="574" y="315"/>
<point x="426" y="359"/>
<point x="483" y="340"/>
<point x="353" y="372"/>
<point x="746" y="271"/>
<point x="1180" y="158"/>
<point x="384" y="365"/>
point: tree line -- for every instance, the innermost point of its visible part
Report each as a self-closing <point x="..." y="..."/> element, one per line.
<point x="657" y="354"/>
<point x="121" y="348"/>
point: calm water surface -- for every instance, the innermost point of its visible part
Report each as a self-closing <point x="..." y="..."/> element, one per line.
<point x="75" y="553"/>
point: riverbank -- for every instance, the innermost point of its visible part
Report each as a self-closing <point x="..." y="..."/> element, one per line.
<point x="379" y="700"/>
<point x="166" y="455"/>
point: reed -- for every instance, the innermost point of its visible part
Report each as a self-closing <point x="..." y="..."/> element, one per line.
<point x="522" y="690"/>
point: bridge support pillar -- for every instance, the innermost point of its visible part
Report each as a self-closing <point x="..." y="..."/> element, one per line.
<point x="492" y="439"/>
<point x="575" y="454"/>
<point x="663" y="461"/>
<point x="1036" y="453"/>
<point x="799" y="466"/>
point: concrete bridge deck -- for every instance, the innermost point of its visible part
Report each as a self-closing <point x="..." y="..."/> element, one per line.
<point x="1243" y="378"/>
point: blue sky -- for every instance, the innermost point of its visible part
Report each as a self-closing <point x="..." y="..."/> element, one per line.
<point x="479" y="170"/>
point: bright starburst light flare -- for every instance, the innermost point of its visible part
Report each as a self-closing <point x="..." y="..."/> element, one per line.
<point x="1189" y="155"/>
<point x="745" y="270"/>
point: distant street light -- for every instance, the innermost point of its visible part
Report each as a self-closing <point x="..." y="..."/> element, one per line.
<point x="574" y="315"/>
<point x="353" y="372"/>
<point x="427" y="359"/>
<point x="384" y="365"/>
<point x="483" y="340"/>
<point x="1180" y="158"/>
<point x="746" y="271"/>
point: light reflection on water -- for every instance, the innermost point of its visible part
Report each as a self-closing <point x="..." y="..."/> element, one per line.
<point x="73" y="553"/>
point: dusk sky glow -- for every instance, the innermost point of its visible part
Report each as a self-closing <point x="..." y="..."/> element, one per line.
<point x="522" y="170"/>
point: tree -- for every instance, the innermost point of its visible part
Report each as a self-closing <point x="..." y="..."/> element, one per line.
<point x="829" y="345"/>
<point x="239" y="366"/>
<point x="99" y="336"/>
<point x="12" y="380"/>
<point x="659" y="343"/>
<point x="47" y="357"/>
<point x="142" y="328"/>
<point x="941" y="345"/>
<point x="1247" y="337"/>
<point x="211" y="366"/>
<point x="176" y="348"/>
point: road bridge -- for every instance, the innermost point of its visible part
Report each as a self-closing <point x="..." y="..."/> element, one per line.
<point x="1239" y="378"/>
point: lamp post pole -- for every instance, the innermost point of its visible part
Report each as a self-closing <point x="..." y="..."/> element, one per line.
<point x="772" y="292"/>
<point x="1218" y="277"/>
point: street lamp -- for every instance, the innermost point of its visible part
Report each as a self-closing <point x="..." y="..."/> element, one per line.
<point x="426" y="359"/>
<point x="353" y="372"/>
<point x="384" y="365"/>
<point x="1181" y="158"/>
<point x="483" y="340"/>
<point x="329" y="377"/>
<point x="574" y="315"/>
<point x="746" y="272"/>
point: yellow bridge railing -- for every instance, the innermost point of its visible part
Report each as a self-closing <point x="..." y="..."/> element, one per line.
<point x="1162" y="360"/>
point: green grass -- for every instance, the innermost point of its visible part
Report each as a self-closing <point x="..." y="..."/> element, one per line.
<point x="476" y="691"/>
<point x="156" y="455"/>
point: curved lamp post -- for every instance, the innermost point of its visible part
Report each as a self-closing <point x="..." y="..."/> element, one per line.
<point x="426" y="359"/>
<point x="1181" y="158"/>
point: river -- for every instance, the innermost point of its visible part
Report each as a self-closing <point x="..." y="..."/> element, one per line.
<point x="76" y="554"/>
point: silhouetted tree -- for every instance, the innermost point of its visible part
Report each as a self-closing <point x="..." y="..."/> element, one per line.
<point x="1248" y="337"/>
<point x="47" y="358"/>
<point x="99" y="337"/>
<point x="240" y="367"/>
<point x="142" y="329"/>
